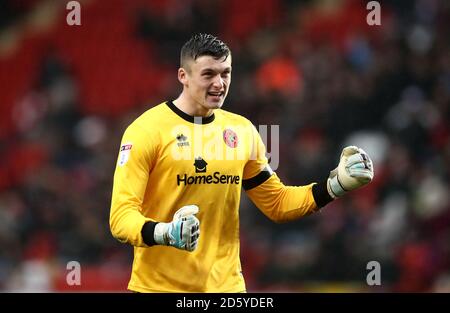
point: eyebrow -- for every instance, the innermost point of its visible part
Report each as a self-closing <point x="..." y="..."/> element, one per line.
<point x="209" y="69"/>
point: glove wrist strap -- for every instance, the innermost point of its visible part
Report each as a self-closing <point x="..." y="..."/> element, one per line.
<point x="161" y="235"/>
<point x="335" y="188"/>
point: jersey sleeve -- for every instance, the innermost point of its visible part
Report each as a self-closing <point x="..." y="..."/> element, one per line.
<point x="278" y="202"/>
<point x="283" y="203"/>
<point x="136" y="157"/>
<point x="257" y="169"/>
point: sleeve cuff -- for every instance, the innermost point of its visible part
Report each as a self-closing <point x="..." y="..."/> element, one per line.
<point x="320" y="194"/>
<point x="147" y="233"/>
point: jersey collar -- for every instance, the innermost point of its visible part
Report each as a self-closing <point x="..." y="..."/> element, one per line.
<point x="187" y="117"/>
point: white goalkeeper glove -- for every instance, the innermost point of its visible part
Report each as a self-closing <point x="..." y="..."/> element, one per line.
<point x="355" y="170"/>
<point x="182" y="233"/>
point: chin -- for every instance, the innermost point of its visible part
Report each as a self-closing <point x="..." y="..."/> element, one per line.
<point x="215" y="105"/>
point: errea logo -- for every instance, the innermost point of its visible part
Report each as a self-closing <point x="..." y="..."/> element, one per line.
<point x="182" y="140"/>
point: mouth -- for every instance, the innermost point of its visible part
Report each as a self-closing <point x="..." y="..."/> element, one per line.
<point x="216" y="95"/>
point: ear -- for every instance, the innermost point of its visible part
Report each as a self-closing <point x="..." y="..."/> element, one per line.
<point x="182" y="76"/>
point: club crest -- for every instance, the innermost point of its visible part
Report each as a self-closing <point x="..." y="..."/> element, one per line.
<point x="230" y="138"/>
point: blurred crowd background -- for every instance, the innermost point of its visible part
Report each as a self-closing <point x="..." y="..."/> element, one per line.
<point x="315" y="68"/>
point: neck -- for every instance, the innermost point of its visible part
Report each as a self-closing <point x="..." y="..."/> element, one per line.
<point x="191" y="107"/>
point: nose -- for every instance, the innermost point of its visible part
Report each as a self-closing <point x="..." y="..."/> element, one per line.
<point x="218" y="82"/>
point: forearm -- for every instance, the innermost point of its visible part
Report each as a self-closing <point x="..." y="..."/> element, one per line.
<point x="136" y="155"/>
<point x="126" y="223"/>
<point x="286" y="203"/>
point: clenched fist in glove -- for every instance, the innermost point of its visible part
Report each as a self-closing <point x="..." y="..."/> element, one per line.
<point x="355" y="170"/>
<point x="182" y="232"/>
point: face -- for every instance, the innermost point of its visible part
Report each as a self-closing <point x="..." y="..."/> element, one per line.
<point x="206" y="82"/>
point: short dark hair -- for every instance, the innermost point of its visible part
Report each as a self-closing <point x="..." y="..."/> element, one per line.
<point x="203" y="44"/>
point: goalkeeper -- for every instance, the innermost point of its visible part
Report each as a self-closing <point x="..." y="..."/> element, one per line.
<point x="178" y="204"/>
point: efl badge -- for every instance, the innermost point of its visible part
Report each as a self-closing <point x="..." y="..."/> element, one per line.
<point x="230" y="138"/>
<point x="124" y="153"/>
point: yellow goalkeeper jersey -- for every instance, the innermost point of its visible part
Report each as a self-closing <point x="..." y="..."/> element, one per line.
<point x="168" y="159"/>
